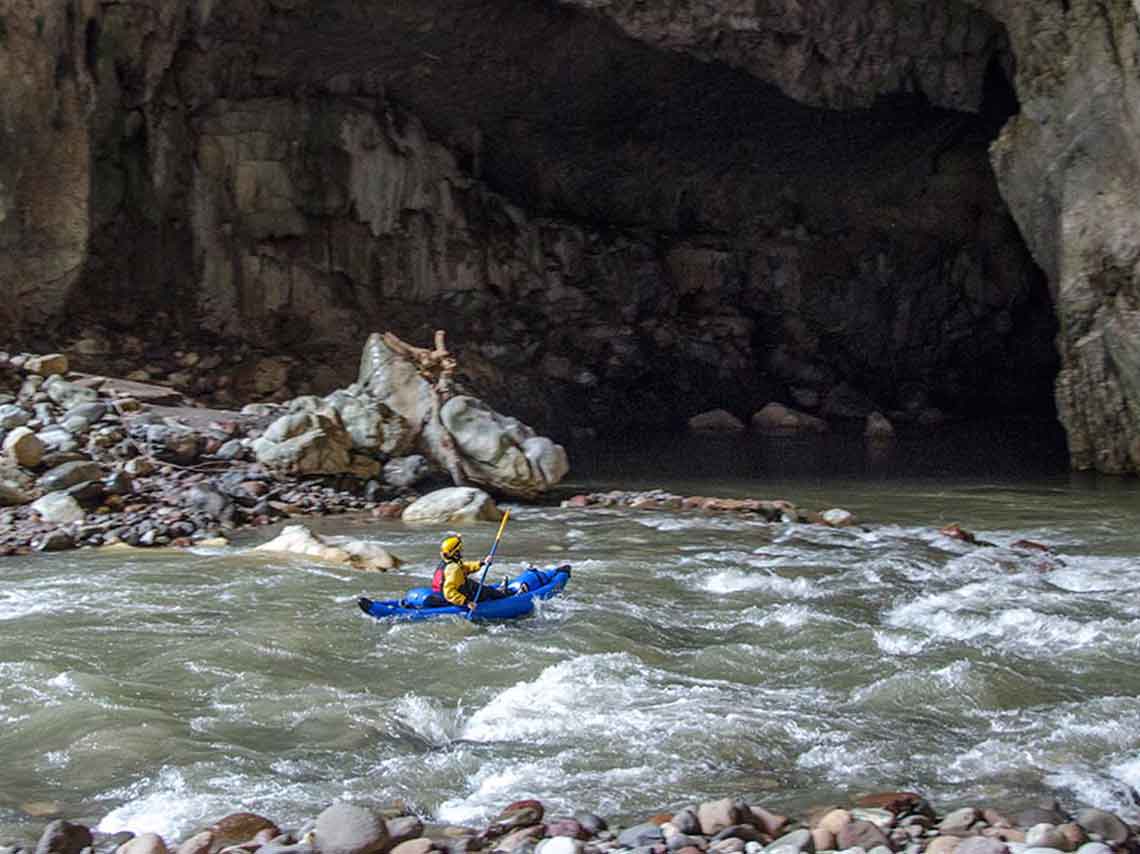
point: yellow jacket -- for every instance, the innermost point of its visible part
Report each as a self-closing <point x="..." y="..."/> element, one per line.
<point x="454" y="575"/>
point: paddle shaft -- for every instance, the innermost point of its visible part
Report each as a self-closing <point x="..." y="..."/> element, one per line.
<point x="490" y="557"/>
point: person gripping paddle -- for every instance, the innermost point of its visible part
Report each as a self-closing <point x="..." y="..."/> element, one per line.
<point x="452" y="579"/>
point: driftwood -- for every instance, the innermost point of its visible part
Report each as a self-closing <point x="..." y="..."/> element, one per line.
<point x="437" y="366"/>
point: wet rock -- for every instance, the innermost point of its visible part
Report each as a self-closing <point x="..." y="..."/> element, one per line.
<point x="403" y="828"/>
<point x="415" y="846"/>
<point x="454" y="505"/>
<point x="91" y="412"/>
<point x="1046" y="835"/>
<point x="118" y="483"/>
<point x="566" y="827"/>
<point x="878" y="427"/>
<point x="66" y="394"/>
<point x="406" y="472"/>
<point x="559" y="845"/>
<point x="943" y="845"/>
<point x="12" y="495"/>
<point x="233" y="449"/>
<point x="69" y="474"/>
<point x="769" y="822"/>
<point x="716" y="421"/>
<point x="981" y="845"/>
<point x="138" y="467"/>
<point x="519" y="838"/>
<point x="359" y="554"/>
<point x="796" y="842"/>
<point x="302" y="443"/>
<point x="959" y="821"/>
<point x="501" y="452"/>
<point x="834" y="820"/>
<point x="639" y="835"/>
<point x="173" y="442"/>
<point x="727" y="846"/>
<point x="63" y="837"/>
<point x="108" y="843"/>
<point x="777" y="418"/>
<point x="823" y="840"/>
<point x="237" y="828"/>
<point x="862" y="834"/>
<point x="23" y="446"/>
<point x="58" y="508"/>
<point x="837" y="517"/>
<point x="591" y="824"/>
<point x="747" y="832"/>
<point x="1095" y="848"/>
<point x="12" y="416"/>
<point x="87" y="493"/>
<point x="1106" y="825"/>
<point x="345" y="828"/>
<point x="206" y="498"/>
<point x="57" y="440"/>
<point x="686" y="821"/>
<point x="46" y="365"/>
<point x="715" y="816"/>
<point x="144" y="843"/>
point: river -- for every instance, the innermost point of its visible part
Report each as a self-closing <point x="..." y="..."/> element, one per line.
<point x="691" y="656"/>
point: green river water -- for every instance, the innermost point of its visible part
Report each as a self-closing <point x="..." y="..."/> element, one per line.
<point x="691" y="656"/>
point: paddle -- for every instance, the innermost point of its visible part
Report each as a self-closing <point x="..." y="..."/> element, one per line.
<point x="487" y="564"/>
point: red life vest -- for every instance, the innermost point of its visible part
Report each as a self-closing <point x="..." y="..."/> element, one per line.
<point x="437" y="579"/>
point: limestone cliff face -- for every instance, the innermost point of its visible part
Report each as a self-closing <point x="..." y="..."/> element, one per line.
<point x="621" y="215"/>
<point x="1069" y="165"/>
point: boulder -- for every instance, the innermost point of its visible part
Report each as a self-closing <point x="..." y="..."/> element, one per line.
<point x="59" y="508"/>
<point x="837" y="517"/>
<point x="715" y="816"/>
<point x="777" y="418"/>
<point x="456" y="504"/>
<point x="63" y="837"/>
<point x="236" y="829"/>
<point x="46" y="365"/>
<point x="301" y="443"/>
<point x="23" y="446"/>
<point x="359" y="554"/>
<point x="69" y="474"/>
<point x="67" y="394"/>
<point x="345" y="828"/>
<point x="12" y="416"/>
<point x="406" y="472"/>
<point x="493" y="450"/>
<point x="498" y="451"/>
<point x="878" y="427"/>
<point x="373" y="426"/>
<point x="144" y="843"/>
<point x="1105" y="824"/>
<point x="716" y="421"/>
<point x="12" y="495"/>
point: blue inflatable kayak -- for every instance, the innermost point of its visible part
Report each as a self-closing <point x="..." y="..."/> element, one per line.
<point x="421" y="603"/>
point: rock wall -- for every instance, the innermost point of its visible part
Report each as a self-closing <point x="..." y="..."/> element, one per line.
<point x="622" y="216"/>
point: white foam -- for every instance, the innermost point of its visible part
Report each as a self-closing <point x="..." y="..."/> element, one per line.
<point x="736" y="581"/>
<point x="428" y="719"/>
<point x="166" y="806"/>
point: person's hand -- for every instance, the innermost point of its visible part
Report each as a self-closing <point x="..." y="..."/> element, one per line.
<point x="471" y="606"/>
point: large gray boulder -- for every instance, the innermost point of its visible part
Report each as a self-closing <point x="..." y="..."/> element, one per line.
<point x="468" y="438"/>
<point x="306" y="443"/>
<point x="501" y="452"/>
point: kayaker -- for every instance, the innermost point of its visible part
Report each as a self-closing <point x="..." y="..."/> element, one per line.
<point x="453" y="580"/>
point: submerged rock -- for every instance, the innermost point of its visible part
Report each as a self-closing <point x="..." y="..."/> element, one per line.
<point x="359" y="554"/>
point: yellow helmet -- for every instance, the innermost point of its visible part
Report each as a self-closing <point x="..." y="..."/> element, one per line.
<point x="451" y="547"/>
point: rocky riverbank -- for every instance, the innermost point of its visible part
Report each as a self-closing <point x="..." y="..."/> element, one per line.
<point x="90" y="460"/>
<point x="881" y="823"/>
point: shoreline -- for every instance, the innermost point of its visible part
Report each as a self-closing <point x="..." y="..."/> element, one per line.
<point x="892" y="822"/>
